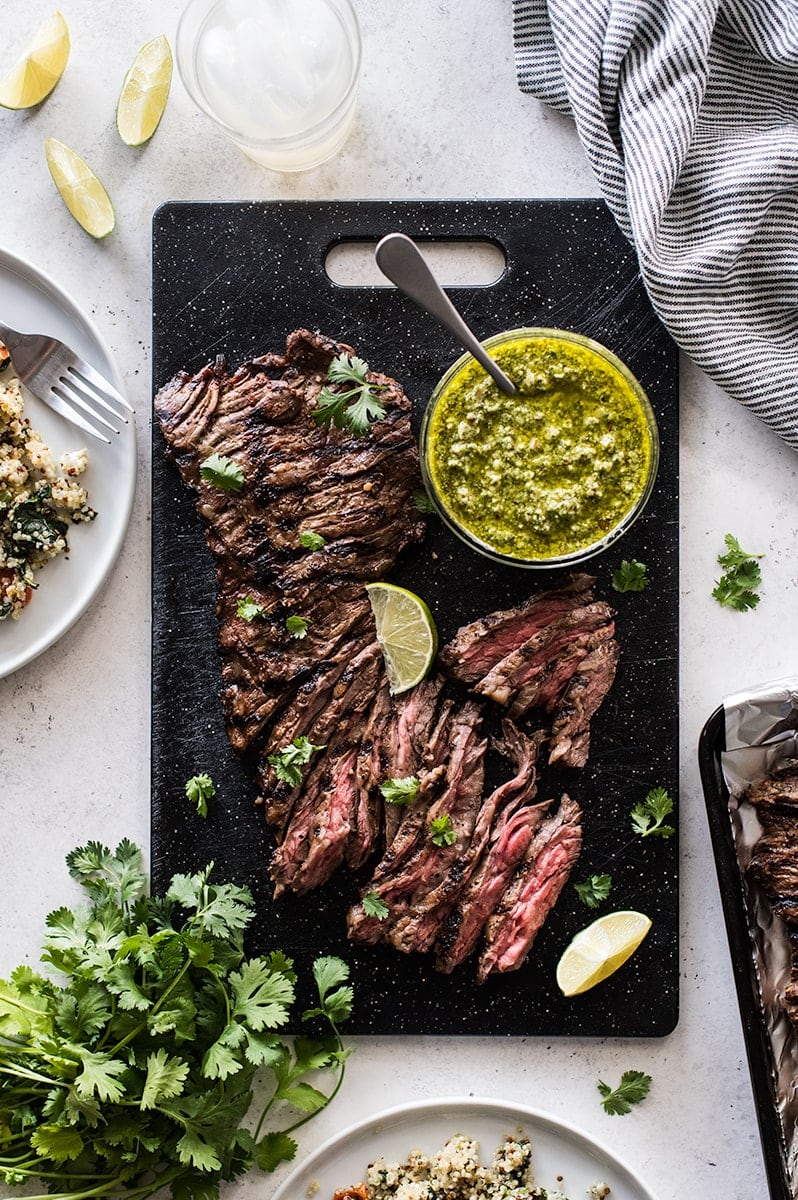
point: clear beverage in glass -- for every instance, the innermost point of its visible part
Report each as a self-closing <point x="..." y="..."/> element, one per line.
<point x="279" y="76"/>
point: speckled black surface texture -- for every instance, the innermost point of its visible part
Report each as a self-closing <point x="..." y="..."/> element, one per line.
<point x="235" y="279"/>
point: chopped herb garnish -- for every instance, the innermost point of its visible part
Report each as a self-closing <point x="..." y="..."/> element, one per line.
<point x="631" y="576"/>
<point x="647" y="817"/>
<point x="222" y="472"/>
<point x="400" y="791"/>
<point x="310" y="540"/>
<point x="134" y="1070"/>
<point x="441" y="831"/>
<point x="741" y="576"/>
<point x="356" y="407"/>
<point x="289" y="761"/>
<point x="633" y="1088"/>
<point x="375" y="906"/>
<point x="594" y="890"/>
<point x="200" y="789"/>
<point x="248" y="609"/>
<point x="297" y="626"/>
<point x="423" y="502"/>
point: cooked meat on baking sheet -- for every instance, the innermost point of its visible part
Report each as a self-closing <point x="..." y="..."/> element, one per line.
<point x="465" y="868"/>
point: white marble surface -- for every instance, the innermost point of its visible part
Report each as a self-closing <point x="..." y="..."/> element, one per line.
<point x="440" y="116"/>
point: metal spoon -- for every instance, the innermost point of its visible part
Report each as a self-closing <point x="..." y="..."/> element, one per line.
<point x="400" y="259"/>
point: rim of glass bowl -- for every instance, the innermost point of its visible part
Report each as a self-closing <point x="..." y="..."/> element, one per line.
<point x="585" y="552"/>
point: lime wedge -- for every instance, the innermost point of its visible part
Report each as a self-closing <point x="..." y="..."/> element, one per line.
<point x="39" y="67"/>
<point x="144" y="93"/>
<point x="406" y="632"/>
<point x="80" y="189"/>
<point x="598" y="951"/>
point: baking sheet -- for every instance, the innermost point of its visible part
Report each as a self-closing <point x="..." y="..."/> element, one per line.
<point x="235" y="279"/>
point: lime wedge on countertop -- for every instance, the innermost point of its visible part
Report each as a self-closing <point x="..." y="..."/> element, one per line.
<point x="39" y="67"/>
<point x="80" y="189"/>
<point x="406" y="632"/>
<point x="599" y="950"/>
<point x="144" y="93"/>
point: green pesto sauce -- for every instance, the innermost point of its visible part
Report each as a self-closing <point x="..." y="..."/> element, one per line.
<point x="550" y="470"/>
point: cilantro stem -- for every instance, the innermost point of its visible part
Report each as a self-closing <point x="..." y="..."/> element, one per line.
<point x="137" y="1029"/>
<point x="23" y="1073"/>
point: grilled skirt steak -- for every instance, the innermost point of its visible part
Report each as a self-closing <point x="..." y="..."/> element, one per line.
<point x="498" y="860"/>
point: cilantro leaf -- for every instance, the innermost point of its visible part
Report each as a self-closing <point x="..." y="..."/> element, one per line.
<point x="400" y="791"/>
<point x="422" y="501"/>
<point x="441" y="831"/>
<point x="594" y="889"/>
<point x="222" y="472"/>
<point x="247" y="609"/>
<point x="634" y="1087"/>
<point x="289" y="761"/>
<point x="375" y="906"/>
<point x="273" y="1149"/>
<point x="262" y="995"/>
<point x="647" y="817"/>
<point x="310" y="540"/>
<point x="297" y="626"/>
<point x="631" y="576"/>
<point x="199" y="790"/>
<point x="166" y="1077"/>
<point x="742" y="575"/>
<point x="354" y="408"/>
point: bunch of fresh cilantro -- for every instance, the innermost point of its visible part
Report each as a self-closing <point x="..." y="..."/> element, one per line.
<point x="135" y="1070"/>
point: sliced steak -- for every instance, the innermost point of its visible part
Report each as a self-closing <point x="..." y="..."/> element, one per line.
<point x="533" y="892"/>
<point x="570" y="730"/>
<point x="540" y="653"/>
<point x="477" y="647"/>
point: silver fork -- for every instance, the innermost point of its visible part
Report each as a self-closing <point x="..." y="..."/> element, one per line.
<point x="65" y="382"/>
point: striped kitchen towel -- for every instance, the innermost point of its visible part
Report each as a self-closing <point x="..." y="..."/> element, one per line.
<point x="688" y="112"/>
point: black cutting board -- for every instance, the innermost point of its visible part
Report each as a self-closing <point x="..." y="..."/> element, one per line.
<point x="234" y="279"/>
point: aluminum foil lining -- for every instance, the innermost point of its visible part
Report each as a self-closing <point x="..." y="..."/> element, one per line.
<point x="761" y="732"/>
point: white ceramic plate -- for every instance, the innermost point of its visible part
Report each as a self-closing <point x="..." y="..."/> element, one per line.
<point x="563" y="1157"/>
<point x="31" y="302"/>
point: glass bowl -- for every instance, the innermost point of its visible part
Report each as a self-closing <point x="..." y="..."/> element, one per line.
<point x="553" y="475"/>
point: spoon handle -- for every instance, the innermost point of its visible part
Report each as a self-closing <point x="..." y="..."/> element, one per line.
<point x="400" y="259"/>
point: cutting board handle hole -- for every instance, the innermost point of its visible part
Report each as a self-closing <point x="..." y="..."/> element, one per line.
<point x="473" y="263"/>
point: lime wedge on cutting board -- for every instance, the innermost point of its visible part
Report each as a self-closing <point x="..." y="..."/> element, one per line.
<point x="406" y="632"/>
<point x="39" y="67"/>
<point x="144" y="93"/>
<point x="599" y="950"/>
<point x="80" y="189"/>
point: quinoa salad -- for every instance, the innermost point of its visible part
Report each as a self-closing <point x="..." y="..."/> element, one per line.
<point x="456" y="1173"/>
<point x="39" y="500"/>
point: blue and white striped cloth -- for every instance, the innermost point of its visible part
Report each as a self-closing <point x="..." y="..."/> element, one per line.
<point x="688" y="112"/>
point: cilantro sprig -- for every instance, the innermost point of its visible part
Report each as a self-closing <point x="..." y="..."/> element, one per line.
<point x="297" y="626"/>
<point x="199" y="790"/>
<point x="631" y="576"/>
<point x="136" y="1069"/>
<point x="310" y="540"/>
<point x="401" y="791"/>
<point x="289" y="761"/>
<point x="593" y="890"/>
<point x="648" y="815"/>
<point x="634" y="1087"/>
<point x="356" y="407"/>
<point x="222" y="472"/>
<point x="741" y="576"/>
<point x="375" y="906"/>
<point x="248" y="609"/>
<point x="441" y="831"/>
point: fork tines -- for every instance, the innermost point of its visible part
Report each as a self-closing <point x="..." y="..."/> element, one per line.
<point x="83" y="387"/>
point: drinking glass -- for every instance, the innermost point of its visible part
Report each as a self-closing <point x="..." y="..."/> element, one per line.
<point x="280" y="77"/>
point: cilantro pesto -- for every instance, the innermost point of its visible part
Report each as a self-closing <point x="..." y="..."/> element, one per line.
<point x="551" y="470"/>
